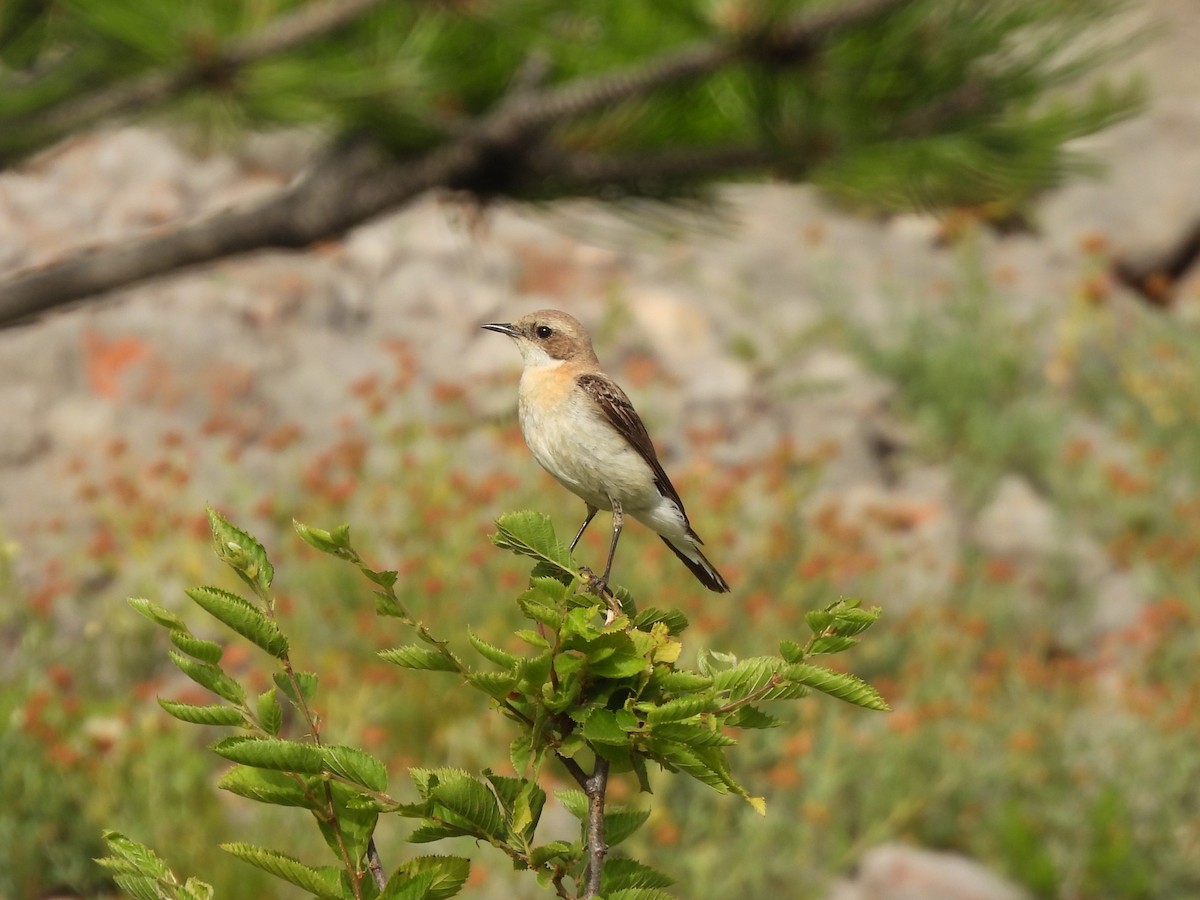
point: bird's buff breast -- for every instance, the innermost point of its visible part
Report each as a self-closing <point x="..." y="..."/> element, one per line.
<point x="572" y="441"/>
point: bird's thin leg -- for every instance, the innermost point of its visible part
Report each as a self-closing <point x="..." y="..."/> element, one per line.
<point x="591" y="514"/>
<point x="618" y="521"/>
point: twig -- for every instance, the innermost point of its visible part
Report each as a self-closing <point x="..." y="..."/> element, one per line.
<point x="376" y="864"/>
<point x="597" y="850"/>
<point x="358" y="182"/>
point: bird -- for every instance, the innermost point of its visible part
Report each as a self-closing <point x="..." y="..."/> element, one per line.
<point x="582" y="429"/>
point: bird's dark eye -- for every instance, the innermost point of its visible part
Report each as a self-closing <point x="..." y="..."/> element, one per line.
<point x="543" y="331"/>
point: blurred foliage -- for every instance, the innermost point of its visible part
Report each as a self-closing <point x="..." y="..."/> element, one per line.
<point x="937" y="102"/>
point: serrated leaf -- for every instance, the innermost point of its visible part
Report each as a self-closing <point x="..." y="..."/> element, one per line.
<point x="494" y="684"/>
<point x="555" y="850"/>
<point x="324" y="882"/>
<point x="674" y="619"/>
<point x="428" y="832"/>
<point x="601" y="727"/>
<point x="209" y="676"/>
<point x="386" y="578"/>
<point x="270" y="714"/>
<point x="679" y="709"/>
<point x="469" y="803"/>
<point x="622" y="873"/>
<point x="818" y="620"/>
<point x="842" y="685"/>
<point x="205" y="651"/>
<point x="357" y="765"/>
<point x="692" y="735"/>
<point x="411" y="656"/>
<point x="203" y="715"/>
<point x="448" y="874"/>
<point x="491" y="653"/>
<point x="157" y="614"/>
<point x="272" y="753"/>
<point x="243" y="617"/>
<point x="747" y="676"/>
<point x="791" y="651"/>
<point x="268" y="786"/>
<point x="573" y="801"/>
<point x="530" y="533"/>
<point x="306" y="681"/>
<point x="242" y="552"/>
<point x="833" y="643"/>
<point x="752" y="717"/>
<point x="620" y="823"/>
<point x="403" y="886"/>
<point x="639" y="894"/>
<point x="681" y="682"/>
<point x="335" y="543"/>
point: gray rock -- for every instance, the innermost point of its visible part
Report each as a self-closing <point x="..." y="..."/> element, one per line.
<point x="901" y="872"/>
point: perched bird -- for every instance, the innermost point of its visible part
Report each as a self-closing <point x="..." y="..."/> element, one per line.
<point x="582" y="429"/>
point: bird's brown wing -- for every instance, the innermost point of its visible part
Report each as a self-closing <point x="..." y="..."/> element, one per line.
<point x="617" y="408"/>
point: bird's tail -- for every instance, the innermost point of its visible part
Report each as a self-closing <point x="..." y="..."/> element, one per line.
<point x="689" y="553"/>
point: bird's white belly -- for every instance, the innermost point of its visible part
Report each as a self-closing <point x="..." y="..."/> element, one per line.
<point x="572" y="442"/>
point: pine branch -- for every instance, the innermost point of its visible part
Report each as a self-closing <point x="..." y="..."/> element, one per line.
<point x="357" y="182"/>
<point x="278" y="36"/>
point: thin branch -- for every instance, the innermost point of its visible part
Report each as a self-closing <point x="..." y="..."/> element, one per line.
<point x="278" y="36"/>
<point x="597" y="850"/>
<point x="357" y="182"/>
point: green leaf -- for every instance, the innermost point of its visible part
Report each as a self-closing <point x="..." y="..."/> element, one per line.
<point x="270" y="714"/>
<point x="307" y="682"/>
<point x="272" y="753"/>
<point x="414" y="657"/>
<point x="680" y="708"/>
<point x="834" y="643"/>
<point x="356" y="820"/>
<point x="335" y="543"/>
<point x="681" y="682"/>
<point x="210" y="677"/>
<point x="203" y="715"/>
<point x="470" y="804"/>
<point x="356" y="765"/>
<point x="142" y="875"/>
<point x="530" y="533"/>
<point x="205" y="651"/>
<point x="494" y="684"/>
<point x="791" y="651"/>
<point x="674" y="619"/>
<point x="449" y="874"/>
<point x="818" y="621"/>
<point x="692" y="735"/>
<point x="638" y="894"/>
<point x="621" y="873"/>
<point x="747" y="676"/>
<point x="403" y="886"/>
<point x="620" y="823"/>
<point x="554" y="851"/>
<point x="157" y="614"/>
<point x="243" y="617"/>
<point x="324" y="882"/>
<point x="573" y="801"/>
<point x="268" y="786"/>
<point x="838" y="684"/>
<point x="601" y="727"/>
<point x="242" y="553"/>
<point x="385" y="579"/>
<point x="752" y="717"/>
<point x="491" y="653"/>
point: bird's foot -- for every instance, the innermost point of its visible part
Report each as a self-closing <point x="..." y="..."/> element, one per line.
<point x="598" y="585"/>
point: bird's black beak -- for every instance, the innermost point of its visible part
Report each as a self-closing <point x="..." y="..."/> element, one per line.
<point x="502" y="328"/>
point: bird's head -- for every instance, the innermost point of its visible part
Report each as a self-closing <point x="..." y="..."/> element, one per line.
<point x="548" y="338"/>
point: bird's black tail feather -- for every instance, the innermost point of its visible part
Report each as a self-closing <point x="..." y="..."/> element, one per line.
<point x="700" y="567"/>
